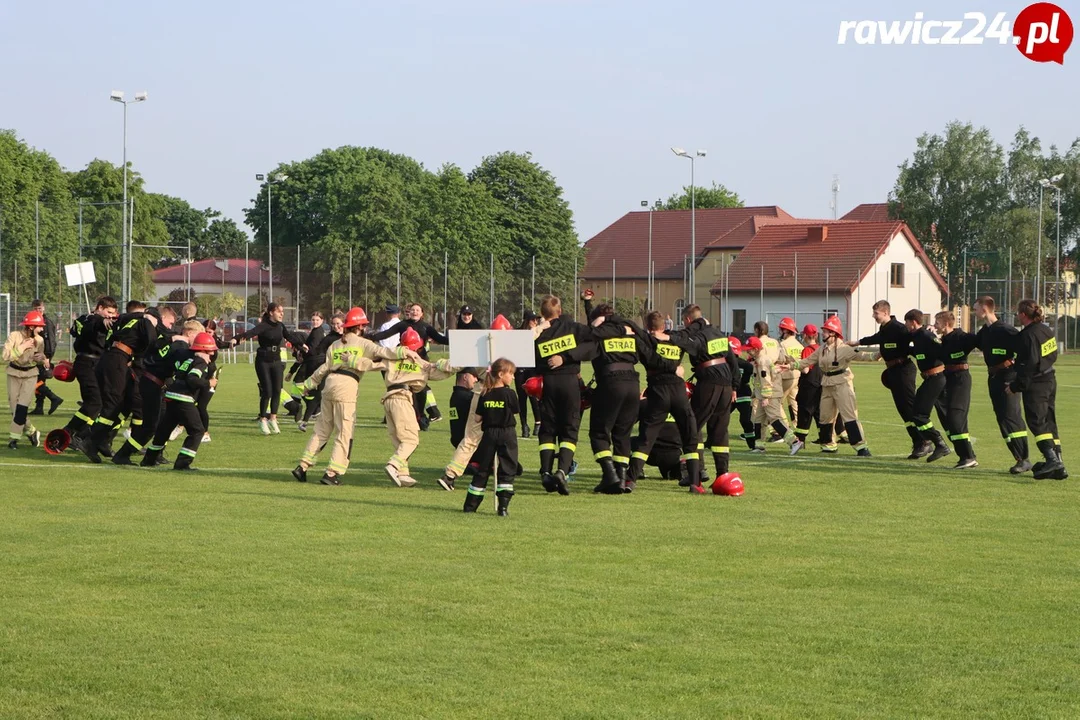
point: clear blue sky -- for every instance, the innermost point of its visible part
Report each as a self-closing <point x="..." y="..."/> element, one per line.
<point x="598" y="91"/>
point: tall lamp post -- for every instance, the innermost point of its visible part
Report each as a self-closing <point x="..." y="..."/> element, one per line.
<point x="125" y="255"/>
<point x="693" y="213"/>
<point x="1049" y="184"/>
<point x="275" y="180"/>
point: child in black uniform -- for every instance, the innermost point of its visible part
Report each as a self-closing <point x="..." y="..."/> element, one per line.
<point x="190" y="377"/>
<point x="497" y="410"/>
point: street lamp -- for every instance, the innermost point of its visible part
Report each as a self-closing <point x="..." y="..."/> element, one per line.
<point x="125" y="261"/>
<point x="1049" y="184"/>
<point x="274" y="180"/>
<point x="693" y="212"/>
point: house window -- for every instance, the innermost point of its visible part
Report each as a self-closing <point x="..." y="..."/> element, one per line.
<point x="738" y="321"/>
<point x="896" y="275"/>
<point x="828" y="313"/>
<point x="718" y="267"/>
<point x="680" y="305"/>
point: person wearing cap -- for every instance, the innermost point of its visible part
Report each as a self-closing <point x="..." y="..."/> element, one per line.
<point x="269" y="365"/>
<point x="809" y="397"/>
<point x="133" y="333"/>
<point x="24" y="353"/>
<point x="42" y="391"/>
<point x="466" y="321"/>
<point x="528" y="321"/>
<point x="403" y="378"/>
<point x="346" y="362"/>
<point x="837" y="391"/>
<point x="393" y="317"/>
<point x="789" y="344"/>
<point x="191" y="373"/>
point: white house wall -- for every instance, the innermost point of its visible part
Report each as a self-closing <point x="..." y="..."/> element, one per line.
<point x="810" y="308"/>
<point x="919" y="291"/>
<point x="163" y="289"/>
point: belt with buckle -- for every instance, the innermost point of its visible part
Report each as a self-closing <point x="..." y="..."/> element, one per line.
<point x="711" y="363"/>
<point x="936" y="370"/>
<point x="123" y="348"/>
<point x="995" y="369"/>
<point x="895" y="361"/>
<point x="956" y="368"/>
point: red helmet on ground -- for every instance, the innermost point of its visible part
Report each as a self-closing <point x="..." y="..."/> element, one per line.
<point x="501" y="323"/>
<point x="63" y="371"/>
<point x="57" y="441"/>
<point x="833" y="325"/>
<point x="689" y="389"/>
<point x="810" y="330"/>
<point x="355" y="317"/>
<point x="411" y="339"/>
<point x="788" y="324"/>
<point x="729" y="484"/>
<point x="34" y="319"/>
<point x="753" y="343"/>
<point x="204" y="342"/>
<point x="534" y="386"/>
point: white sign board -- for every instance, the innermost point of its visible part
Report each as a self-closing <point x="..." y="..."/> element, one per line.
<point x="80" y="273"/>
<point x="479" y="348"/>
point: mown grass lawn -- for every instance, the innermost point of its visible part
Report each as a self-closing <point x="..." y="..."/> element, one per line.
<point x="835" y="587"/>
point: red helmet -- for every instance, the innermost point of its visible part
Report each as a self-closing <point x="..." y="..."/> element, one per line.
<point x="411" y="339"/>
<point x="63" y="371"/>
<point x="355" y="317"/>
<point x="833" y="325"/>
<point x="788" y="324"/>
<point x="57" y="441"/>
<point x="534" y="386"/>
<point x="810" y="330"/>
<point x="204" y="342"/>
<point x="729" y="484"/>
<point x="34" y="319"/>
<point x="689" y="390"/>
<point x="501" y="323"/>
<point x="753" y="343"/>
<point x="735" y="344"/>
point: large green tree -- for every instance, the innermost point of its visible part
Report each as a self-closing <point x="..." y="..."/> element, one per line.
<point x="716" y="196"/>
<point x="209" y="234"/>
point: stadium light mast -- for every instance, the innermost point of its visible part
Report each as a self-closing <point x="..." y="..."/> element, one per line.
<point x="125" y="241"/>
<point x="274" y="180"/>
<point x="692" y="300"/>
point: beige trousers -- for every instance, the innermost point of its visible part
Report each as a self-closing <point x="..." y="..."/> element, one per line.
<point x="21" y="393"/>
<point x="403" y="429"/>
<point x="465" y="449"/>
<point x="338" y="418"/>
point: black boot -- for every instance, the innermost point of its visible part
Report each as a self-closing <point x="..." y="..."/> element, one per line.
<point x="39" y="405"/>
<point x="503" y="498"/>
<point x="300" y="474"/>
<point x="150" y="459"/>
<point x="693" y="471"/>
<point x="473" y="498"/>
<point x="940" y="448"/>
<point x="525" y="430"/>
<point x="609" y="482"/>
<point x="123" y="455"/>
<point x="621" y="473"/>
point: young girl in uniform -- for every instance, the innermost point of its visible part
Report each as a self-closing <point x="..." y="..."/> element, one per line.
<point x="496" y="410"/>
<point x="24" y="352"/>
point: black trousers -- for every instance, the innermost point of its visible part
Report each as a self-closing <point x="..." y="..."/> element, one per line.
<point x="711" y="405"/>
<point x="745" y="405"/>
<point x="901" y="381"/>
<point x="662" y="399"/>
<point x="83" y="367"/>
<point x="616" y="403"/>
<point x="151" y="394"/>
<point x="1041" y="414"/>
<point x="270" y="371"/>
<point x="952" y="406"/>
<point x="182" y="414"/>
<point x="809" y="401"/>
<point x="560" y="421"/>
<point x="203" y="403"/>
<point x="524" y="400"/>
<point x="1007" y="411"/>
<point x="501" y="444"/>
<point x="113" y="373"/>
<point x="926" y="398"/>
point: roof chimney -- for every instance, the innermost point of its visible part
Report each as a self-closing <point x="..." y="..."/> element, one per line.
<point x="817" y="233"/>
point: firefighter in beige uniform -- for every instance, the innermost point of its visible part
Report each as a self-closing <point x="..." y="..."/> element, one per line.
<point x="24" y="351"/>
<point x="767" y="385"/>
<point x="346" y="362"/>
<point x="473" y="432"/>
<point x="790" y="345"/>
<point x="837" y="390"/>
<point x="403" y="378"/>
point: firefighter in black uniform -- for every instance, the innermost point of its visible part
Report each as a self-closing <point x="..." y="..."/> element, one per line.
<point x="190" y="375"/>
<point x="894" y="343"/>
<point x="91" y="332"/>
<point x="521" y="376"/>
<point x="662" y="354"/>
<point x="43" y="392"/>
<point x="666" y="453"/>
<point x="460" y="402"/>
<point x="955" y="401"/>
<point x="808" y="397"/>
<point x="617" y="397"/>
<point x="1036" y="353"/>
<point x="744" y="394"/>
<point x="130" y="336"/>
<point x="157" y="368"/>
<point x="560" y="349"/>
<point x="714" y="394"/>
<point x="926" y="349"/>
<point x="997" y="340"/>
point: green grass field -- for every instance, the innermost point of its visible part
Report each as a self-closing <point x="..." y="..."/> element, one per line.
<point x="836" y="587"/>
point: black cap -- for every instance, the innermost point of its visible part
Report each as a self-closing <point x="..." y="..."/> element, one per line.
<point x="530" y="315"/>
<point x="466" y="310"/>
<point x="475" y="372"/>
<point x="393" y="309"/>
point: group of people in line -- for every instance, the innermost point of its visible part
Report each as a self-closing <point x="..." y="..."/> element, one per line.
<point x="158" y="373"/>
